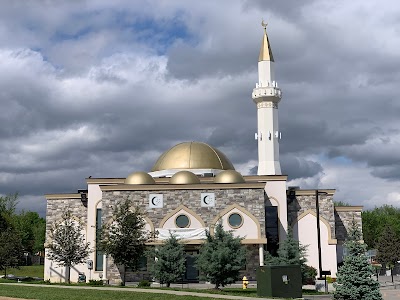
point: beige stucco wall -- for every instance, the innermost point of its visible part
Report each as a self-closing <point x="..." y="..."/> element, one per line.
<point x="305" y="230"/>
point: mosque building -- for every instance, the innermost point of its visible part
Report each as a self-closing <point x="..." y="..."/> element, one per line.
<point x="193" y="186"/>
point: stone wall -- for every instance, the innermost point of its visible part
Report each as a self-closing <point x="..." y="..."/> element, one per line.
<point x="302" y="203"/>
<point x="57" y="207"/>
<point x="252" y="263"/>
<point x="250" y="199"/>
<point x="344" y="217"/>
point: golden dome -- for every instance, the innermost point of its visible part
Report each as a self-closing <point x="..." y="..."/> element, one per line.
<point x="192" y="155"/>
<point x="139" y="178"/>
<point x="184" y="177"/>
<point x="229" y="176"/>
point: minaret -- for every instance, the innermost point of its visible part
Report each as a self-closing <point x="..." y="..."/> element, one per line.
<point x="267" y="96"/>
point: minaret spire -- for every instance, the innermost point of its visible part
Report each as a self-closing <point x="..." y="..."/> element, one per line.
<point x="267" y="95"/>
<point x="265" y="51"/>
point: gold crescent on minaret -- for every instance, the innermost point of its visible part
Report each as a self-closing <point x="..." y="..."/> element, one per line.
<point x="264" y="24"/>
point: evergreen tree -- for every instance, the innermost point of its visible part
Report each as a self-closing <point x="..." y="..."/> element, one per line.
<point x="169" y="265"/>
<point x="221" y="257"/>
<point x="388" y="248"/>
<point x="290" y="252"/>
<point x="67" y="245"/>
<point x="355" y="278"/>
<point x="125" y="238"/>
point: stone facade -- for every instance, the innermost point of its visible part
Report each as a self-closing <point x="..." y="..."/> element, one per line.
<point x="307" y="202"/>
<point x="344" y="217"/>
<point x="57" y="207"/>
<point x="250" y="199"/>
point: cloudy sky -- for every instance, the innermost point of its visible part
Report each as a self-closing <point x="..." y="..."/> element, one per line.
<point x="101" y="88"/>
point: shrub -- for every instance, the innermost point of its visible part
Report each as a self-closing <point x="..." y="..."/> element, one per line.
<point x="95" y="282"/>
<point x="330" y="279"/>
<point x="309" y="274"/>
<point x="144" y="283"/>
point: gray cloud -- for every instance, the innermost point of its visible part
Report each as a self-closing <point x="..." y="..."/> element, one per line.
<point x="296" y="167"/>
<point x="104" y="88"/>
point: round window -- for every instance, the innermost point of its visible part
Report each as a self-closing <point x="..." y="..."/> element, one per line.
<point x="235" y="220"/>
<point x="182" y="221"/>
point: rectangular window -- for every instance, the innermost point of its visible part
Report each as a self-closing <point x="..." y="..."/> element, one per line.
<point x="272" y="229"/>
<point x="99" y="254"/>
<point x="142" y="264"/>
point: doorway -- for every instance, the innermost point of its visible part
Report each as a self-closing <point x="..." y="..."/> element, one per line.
<point x="191" y="273"/>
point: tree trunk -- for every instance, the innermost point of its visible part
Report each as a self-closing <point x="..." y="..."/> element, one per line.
<point x="123" y="276"/>
<point x="69" y="274"/>
<point x="391" y="273"/>
<point x="5" y="272"/>
<point x="168" y="284"/>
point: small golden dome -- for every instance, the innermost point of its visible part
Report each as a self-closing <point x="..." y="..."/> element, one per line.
<point x="139" y="178"/>
<point x="192" y="155"/>
<point x="184" y="177"/>
<point x="229" y="176"/>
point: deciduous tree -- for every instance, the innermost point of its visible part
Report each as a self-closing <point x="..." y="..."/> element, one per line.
<point x="67" y="245"/>
<point x="388" y="248"/>
<point x="221" y="257"/>
<point x="8" y="204"/>
<point x="10" y="249"/>
<point x="124" y="238"/>
<point x="376" y="220"/>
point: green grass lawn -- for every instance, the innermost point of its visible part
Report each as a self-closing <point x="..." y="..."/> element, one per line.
<point x="30" y="271"/>
<point x="49" y="293"/>
<point x="77" y="293"/>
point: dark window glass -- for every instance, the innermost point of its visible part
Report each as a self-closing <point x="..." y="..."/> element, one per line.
<point x="272" y="229"/>
<point x="99" y="260"/>
<point x="182" y="221"/>
<point x="235" y="220"/>
<point x="142" y="263"/>
<point x="99" y="254"/>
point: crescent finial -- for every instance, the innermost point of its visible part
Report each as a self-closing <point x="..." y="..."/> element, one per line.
<point x="264" y="24"/>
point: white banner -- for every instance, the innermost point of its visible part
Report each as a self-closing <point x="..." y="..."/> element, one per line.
<point x="182" y="233"/>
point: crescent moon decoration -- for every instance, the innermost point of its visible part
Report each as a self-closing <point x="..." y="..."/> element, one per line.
<point x="205" y="201"/>
<point x="152" y="201"/>
<point x="264" y="24"/>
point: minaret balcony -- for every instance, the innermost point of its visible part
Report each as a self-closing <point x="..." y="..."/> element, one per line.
<point x="261" y="94"/>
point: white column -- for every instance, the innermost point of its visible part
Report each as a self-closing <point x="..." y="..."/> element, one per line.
<point x="104" y="266"/>
<point x="261" y="254"/>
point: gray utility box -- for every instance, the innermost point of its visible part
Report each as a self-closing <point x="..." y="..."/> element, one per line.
<point x="279" y="281"/>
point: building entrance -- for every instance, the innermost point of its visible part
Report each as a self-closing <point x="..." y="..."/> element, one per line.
<point x="191" y="272"/>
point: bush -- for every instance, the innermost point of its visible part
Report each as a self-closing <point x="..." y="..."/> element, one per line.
<point x="330" y="279"/>
<point x="95" y="282"/>
<point x="144" y="283"/>
<point x="309" y="274"/>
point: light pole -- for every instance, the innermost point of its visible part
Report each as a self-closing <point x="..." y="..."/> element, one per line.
<point x="318" y="234"/>
<point x="320" y="272"/>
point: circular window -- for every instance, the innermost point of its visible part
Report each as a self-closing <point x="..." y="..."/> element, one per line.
<point x="182" y="221"/>
<point x="235" y="220"/>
